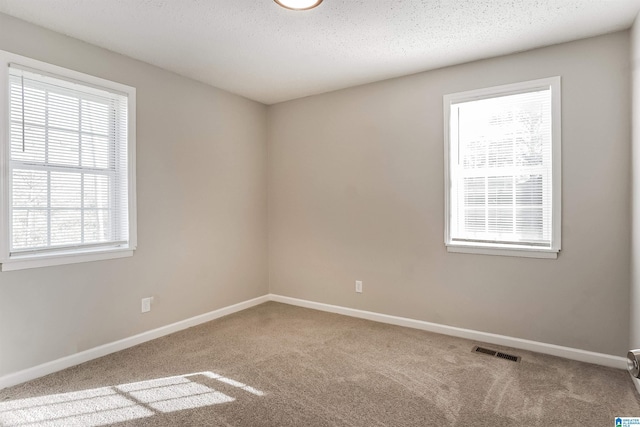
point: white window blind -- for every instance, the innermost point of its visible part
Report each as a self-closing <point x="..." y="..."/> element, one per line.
<point x="68" y="165"/>
<point x="501" y="170"/>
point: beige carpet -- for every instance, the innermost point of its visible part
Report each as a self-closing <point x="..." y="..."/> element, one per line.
<point x="279" y="365"/>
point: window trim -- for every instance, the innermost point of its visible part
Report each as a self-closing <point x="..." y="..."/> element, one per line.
<point x="553" y="83"/>
<point x="23" y="261"/>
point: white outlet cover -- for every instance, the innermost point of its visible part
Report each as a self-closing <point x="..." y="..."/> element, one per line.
<point x="359" y="286"/>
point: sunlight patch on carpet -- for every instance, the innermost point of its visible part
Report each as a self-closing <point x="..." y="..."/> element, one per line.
<point x="124" y="402"/>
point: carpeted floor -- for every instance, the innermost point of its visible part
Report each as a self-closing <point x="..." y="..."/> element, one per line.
<point x="279" y="365"/>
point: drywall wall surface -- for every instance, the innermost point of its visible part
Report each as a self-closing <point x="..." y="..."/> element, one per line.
<point x="356" y="192"/>
<point x="634" y="299"/>
<point x="202" y="230"/>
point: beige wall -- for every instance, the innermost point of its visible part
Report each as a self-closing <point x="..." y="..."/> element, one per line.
<point x="356" y="192"/>
<point x="202" y="231"/>
<point x="635" y="185"/>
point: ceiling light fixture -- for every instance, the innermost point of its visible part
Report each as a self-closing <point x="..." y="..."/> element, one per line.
<point x="298" y="4"/>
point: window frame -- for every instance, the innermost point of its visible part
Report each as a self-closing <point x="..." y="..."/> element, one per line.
<point x="487" y="248"/>
<point x="65" y="256"/>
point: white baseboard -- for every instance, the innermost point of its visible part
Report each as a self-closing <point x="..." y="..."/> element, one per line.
<point x="538" y="347"/>
<point x="93" y="353"/>
<point x="103" y="350"/>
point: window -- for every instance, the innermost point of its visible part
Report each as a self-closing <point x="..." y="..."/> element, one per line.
<point x="68" y="193"/>
<point x="502" y="149"/>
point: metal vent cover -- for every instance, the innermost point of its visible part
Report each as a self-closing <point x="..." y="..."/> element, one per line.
<point x="501" y="355"/>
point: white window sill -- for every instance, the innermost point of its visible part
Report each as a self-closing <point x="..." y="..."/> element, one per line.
<point x="61" y="258"/>
<point x="526" y="252"/>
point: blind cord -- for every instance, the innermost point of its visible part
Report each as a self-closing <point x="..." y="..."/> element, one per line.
<point x="23" y="120"/>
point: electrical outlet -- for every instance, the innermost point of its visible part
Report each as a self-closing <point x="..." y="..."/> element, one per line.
<point x="146" y="304"/>
<point x="359" y="286"/>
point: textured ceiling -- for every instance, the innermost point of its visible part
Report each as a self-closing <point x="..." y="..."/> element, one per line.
<point x="259" y="50"/>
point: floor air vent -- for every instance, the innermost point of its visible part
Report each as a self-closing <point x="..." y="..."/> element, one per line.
<point x="499" y="354"/>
